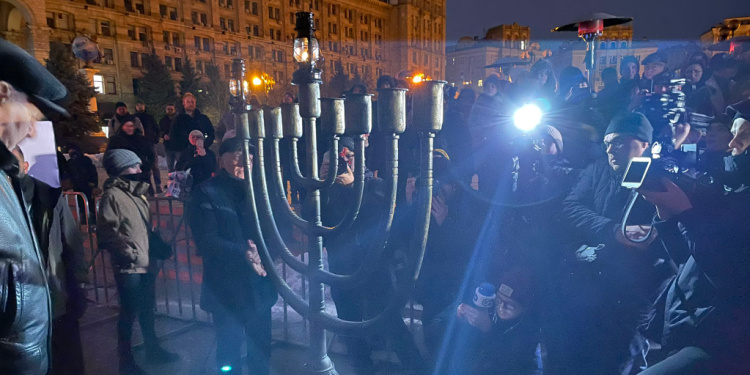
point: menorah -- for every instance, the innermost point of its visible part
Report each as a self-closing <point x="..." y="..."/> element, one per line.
<point x="350" y="116"/>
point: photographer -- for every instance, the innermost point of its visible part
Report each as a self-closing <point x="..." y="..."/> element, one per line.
<point x="604" y="285"/>
<point x="706" y="316"/>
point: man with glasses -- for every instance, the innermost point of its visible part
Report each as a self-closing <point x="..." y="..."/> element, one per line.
<point x="607" y="281"/>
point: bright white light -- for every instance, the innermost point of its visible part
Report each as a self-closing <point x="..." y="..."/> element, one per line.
<point x="226" y="368"/>
<point x="527" y="117"/>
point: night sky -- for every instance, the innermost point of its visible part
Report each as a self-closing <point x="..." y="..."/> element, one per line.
<point x="654" y="19"/>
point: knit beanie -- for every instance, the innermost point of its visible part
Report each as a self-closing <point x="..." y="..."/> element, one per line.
<point x="117" y="160"/>
<point x="631" y="123"/>
<point x="518" y="285"/>
<point x="120" y="104"/>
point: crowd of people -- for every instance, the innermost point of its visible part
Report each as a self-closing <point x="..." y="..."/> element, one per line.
<point x="538" y="259"/>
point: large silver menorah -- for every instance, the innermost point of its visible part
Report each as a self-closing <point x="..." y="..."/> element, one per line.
<point x="350" y="116"/>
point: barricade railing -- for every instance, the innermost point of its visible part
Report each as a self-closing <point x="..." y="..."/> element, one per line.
<point x="180" y="277"/>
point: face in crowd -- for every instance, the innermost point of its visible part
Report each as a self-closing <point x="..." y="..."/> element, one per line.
<point x="506" y="308"/>
<point x="693" y="73"/>
<point x="170" y="110"/>
<point x="231" y="162"/>
<point x="122" y="111"/>
<point x="629" y="71"/>
<point x="140" y="107"/>
<point x="18" y="117"/>
<point x="189" y="103"/>
<point x="128" y="128"/>
<point x="653" y="69"/>
<point x="621" y="148"/>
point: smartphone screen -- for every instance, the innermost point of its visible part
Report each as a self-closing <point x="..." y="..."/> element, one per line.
<point x="636" y="172"/>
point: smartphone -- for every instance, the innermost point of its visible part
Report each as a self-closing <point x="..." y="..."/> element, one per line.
<point x="636" y="172"/>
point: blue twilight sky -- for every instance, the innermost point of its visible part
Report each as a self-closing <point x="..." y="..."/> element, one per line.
<point x="653" y="19"/>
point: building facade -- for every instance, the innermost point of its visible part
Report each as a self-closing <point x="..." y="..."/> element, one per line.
<point x="466" y="61"/>
<point x="365" y="37"/>
<point x="728" y="28"/>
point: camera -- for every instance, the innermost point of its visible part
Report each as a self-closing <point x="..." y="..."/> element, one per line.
<point x="664" y="105"/>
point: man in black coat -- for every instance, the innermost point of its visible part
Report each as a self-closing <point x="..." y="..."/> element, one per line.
<point x="165" y="127"/>
<point x="83" y="176"/>
<point x="184" y="123"/>
<point x="234" y="290"/>
<point x="707" y="306"/>
<point x="152" y="133"/>
<point x="603" y="289"/>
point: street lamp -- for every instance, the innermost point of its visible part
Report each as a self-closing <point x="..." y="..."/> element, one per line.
<point x="589" y="29"/>
<point x="239" y="90"/>
<point x="306" y="49"/>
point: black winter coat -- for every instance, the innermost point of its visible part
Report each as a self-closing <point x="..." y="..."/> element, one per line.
<point x="150" y="127"/>
<point x="182" y="126"/>
<point x="708" y="303"/>
<point x="201" y="167"/>
<point x="165" y="127"/>
<point x="82" y="173"/>
<point x="220" y="216"/>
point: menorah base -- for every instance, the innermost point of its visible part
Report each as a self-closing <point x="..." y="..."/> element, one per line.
<point x="324" y="366"/>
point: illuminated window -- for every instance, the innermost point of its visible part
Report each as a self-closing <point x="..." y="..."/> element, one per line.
<point x="99" y="84"/>
<point x="480" y="83"/>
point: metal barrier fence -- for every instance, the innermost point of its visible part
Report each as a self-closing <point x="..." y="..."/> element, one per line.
<point x="179" y="279"/>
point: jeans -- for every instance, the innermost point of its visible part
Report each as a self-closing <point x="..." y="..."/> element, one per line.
<point x="137" y="299"/>
<point x="231" y="330"/>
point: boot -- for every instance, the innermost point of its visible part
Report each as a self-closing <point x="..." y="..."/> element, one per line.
<point x="157" y="354"/>
<point x="127" y="364"/>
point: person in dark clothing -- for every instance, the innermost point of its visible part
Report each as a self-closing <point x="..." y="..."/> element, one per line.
<point x="597" y="302"/>
<point x="122" y="116"/>
<point x="165" y="127"/>
<point x="184" y="123"/>
<point x="67" y="270"/>
<point x="200" y="160"/>
<point x="83" y="177"/>
<point x="123" y="228"/>
<point x="129" y="138"/>
<point x="609" y="99"/>
<point x="500" y="339"/>
<point x="152" y="132"/>
<point x="455" y="137"/>
<point x="714" y="160"/>
<point x="234" y="290"/>
<point x="27" y="93"/>
<point x="706" y="308"/>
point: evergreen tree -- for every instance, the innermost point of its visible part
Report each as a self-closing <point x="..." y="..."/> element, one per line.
<point x="191" y="79"/>
<point x="62" y="64"/>
<point x="156" y="89"/>
<point x="216" y="102"/>
<point x="337" y="84"/>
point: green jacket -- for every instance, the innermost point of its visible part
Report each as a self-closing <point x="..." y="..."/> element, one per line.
<point x="123" y="224"/>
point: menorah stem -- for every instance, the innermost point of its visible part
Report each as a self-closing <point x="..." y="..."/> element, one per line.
<point x="319" y="362"/>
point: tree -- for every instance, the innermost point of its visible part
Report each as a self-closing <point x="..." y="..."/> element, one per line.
<point x="216" y="90"/>
<point x="191" y="79"/>
<point x="337" y="84"/>
<point x="62" y="64"/>
<point x="156" y="89"/>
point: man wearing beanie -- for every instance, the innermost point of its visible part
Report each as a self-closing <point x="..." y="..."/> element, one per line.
<point x="122" y="116"/>
<point x="123" y="228"/>
<point x="599" y="308"/>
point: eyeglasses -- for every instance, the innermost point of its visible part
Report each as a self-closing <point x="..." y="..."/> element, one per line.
<point x="616" y="144"/>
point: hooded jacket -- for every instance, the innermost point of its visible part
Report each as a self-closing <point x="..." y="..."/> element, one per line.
<point x="25" y="310"/>
<point x="123" y="224"/>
